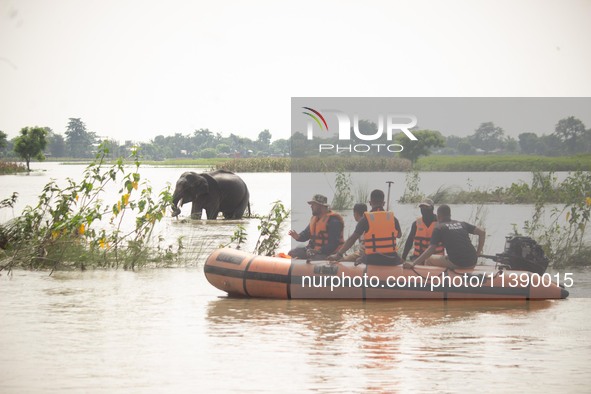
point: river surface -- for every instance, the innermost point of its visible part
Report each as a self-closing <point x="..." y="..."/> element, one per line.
<point x="169" y="330"/>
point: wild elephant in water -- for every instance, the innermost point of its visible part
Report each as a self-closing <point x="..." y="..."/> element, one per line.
<point x="217" y="191"/>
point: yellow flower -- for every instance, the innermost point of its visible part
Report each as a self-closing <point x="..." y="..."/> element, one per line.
<point x="125" y="199"/>
<point x="103" y="244"/>
<point x="55" y="234"/>
<point x="134" y="185"/>
<point x="118" y="206"/>
<point x="81" y="229"/>
<point x="588" y="201"/>
<point x="76" y="196"/>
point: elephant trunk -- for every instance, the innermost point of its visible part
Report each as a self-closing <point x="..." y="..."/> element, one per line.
<point x="176" y="208"/>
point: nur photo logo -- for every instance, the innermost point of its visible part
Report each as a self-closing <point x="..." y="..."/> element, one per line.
<point x="387" y="126"/>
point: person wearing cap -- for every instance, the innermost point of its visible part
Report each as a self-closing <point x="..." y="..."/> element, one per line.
<point x="379" y="229"/>
<point x="454" y="236"/>
<point x="421" y="230"/>
<point x="325" y="232"/>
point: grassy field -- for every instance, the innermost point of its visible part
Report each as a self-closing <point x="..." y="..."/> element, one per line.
<point x="504" y="163"/>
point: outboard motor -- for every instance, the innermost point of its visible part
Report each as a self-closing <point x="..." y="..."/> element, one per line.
<point x="523" y="254"/>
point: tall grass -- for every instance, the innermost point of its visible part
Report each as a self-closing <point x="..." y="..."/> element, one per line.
<point x="7" y="167"/>
<point x="504" y="163"/>
<point x="316" y="164"/>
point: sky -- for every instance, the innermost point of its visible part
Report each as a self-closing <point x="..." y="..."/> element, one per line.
<point x="136" y="69"/>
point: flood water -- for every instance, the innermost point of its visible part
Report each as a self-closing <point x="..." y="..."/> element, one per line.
<point x="169" y="330"/>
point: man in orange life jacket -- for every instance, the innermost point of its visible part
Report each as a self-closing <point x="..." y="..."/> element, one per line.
<point x="380" y="229"/>
<point x="325" y="232"/>
<point x="421" y="230"/>
<point x="455" y="238"/>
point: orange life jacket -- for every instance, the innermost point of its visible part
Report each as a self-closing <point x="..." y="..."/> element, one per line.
<point x="319" y="231"/>
<point x="423" y="238"/>
<point x="381" y="235"/>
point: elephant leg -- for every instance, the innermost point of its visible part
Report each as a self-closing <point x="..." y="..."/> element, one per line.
<point x="213" y="210"/>
<point x="212" y="215"/>
<point x="196" y="211"/>
<point x="238" y="212"/>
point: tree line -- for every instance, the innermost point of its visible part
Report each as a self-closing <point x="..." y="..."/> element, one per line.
<point x="570" y="137"/>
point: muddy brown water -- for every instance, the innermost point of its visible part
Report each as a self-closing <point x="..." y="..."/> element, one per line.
<point x="161" y="330"/>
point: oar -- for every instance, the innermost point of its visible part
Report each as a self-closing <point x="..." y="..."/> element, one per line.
<point x="388" y="202"/>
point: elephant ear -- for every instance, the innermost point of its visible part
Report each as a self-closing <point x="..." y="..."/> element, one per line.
<point x="214" y="188"/>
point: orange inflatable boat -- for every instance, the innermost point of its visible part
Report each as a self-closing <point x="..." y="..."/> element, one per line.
<point x="246" y="275"/>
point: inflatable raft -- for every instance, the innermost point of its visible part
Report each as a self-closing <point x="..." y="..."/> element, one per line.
<point x="242" y="274"/>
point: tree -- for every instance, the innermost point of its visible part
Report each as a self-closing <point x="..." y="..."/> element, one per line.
<point x="280" y="147"/>
<point x="3" y="139"/>
<point x="488" y="137"/>
<point x="30" y="144"/>
<point x="426" y="140"/>
<point x="529" y="143"/>
<point x="264" y="140"/>
<point x="550" y="145"/>
<point x="465" y="147"/>
<point x="78" y="140"/>
<point x="207" y="153"/>
<point x="56" y="145"/>
<point x="570" y="131"/>
<point x="222" y="148"/>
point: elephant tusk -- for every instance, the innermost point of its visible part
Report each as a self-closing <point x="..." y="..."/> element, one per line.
<point x="180" y="203"/>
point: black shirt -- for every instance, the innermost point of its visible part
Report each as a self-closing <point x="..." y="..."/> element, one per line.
<point x="455" y="238"/>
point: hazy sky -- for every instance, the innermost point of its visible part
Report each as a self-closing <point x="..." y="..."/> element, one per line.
<point x="136" y="69"/>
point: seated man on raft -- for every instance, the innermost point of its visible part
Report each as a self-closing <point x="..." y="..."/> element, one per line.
<point x="325" y="232"/>
<point x="380" y="229"/>
<point x="421" y="231"/>
<point x="454" y="236"/>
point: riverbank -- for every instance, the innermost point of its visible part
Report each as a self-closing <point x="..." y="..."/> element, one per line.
<point x="473" y="163"/>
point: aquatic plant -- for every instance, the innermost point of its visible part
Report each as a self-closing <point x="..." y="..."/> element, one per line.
<point x="270" y="230"/>
<point x="343" y="199"/>
<point x="11" y="168"/>
<point x="67" y="228"/>
<point x="563" y="238"/>
<point x="412" y="193"/>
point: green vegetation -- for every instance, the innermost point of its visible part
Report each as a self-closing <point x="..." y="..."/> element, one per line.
<point x="427" y="140"/>
<point x="562" y="238"/>
<point x="30" y="144"/>
<point x="66" y="229"/>
<point x="343" y="199"/>
<point x="412" y="194"/>
<point x="209" y="163"/>
<point x="270" y="231"/>
<point x="11" y="168"/>
<point x="316" y="164"/>
<point x="504" y="163"/>
<point x="256" y="164"/>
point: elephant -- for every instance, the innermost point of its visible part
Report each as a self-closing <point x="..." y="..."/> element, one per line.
<point x="217" y="191"/>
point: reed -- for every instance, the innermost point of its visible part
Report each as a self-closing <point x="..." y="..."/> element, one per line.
<point x="504" y="163"/>
<point x="7" y="167"/>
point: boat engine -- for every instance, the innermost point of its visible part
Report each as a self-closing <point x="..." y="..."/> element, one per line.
<point x="523" y="254"/>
